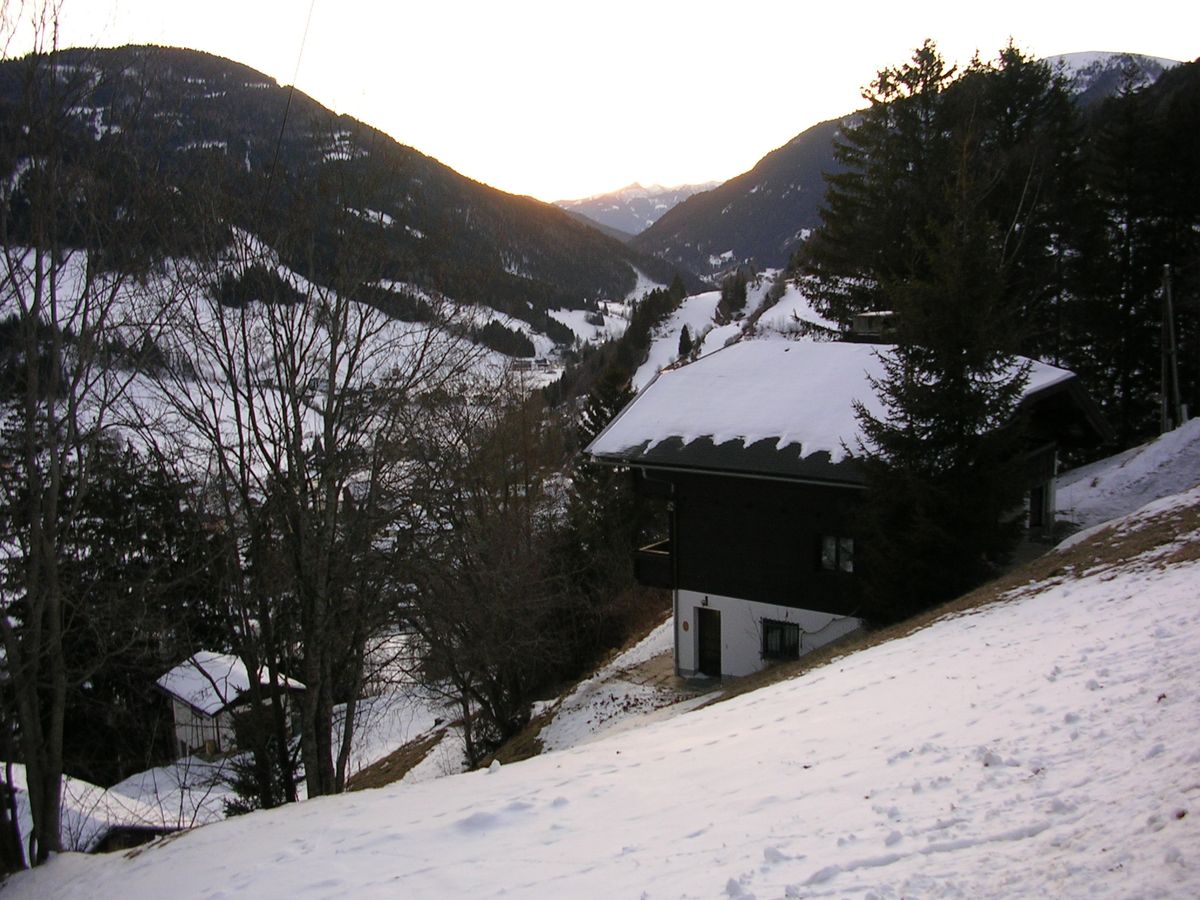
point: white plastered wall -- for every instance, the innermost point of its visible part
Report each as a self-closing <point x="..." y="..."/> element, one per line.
<point x="741" y="630"/>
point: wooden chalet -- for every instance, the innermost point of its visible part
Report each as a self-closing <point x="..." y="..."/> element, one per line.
<point x="206" y="692"/>
<point x="749" y="448"/>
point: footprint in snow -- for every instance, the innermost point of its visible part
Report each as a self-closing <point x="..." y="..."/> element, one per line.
<point x="478" y="821"/>
<point x="734" y="888"/>
<point x="772" y="855"/>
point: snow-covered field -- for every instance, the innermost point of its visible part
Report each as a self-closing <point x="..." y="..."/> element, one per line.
<point x="696" y="312"/>
<point x="788" y="316"/>
<point x="1042" y="745"/>
<point x="615" y="318"/>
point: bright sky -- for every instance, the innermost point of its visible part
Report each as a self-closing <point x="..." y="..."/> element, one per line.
<point x="562" y="99"/>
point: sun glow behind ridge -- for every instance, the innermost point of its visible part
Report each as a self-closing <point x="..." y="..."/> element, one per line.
<point x="560" y="101"/>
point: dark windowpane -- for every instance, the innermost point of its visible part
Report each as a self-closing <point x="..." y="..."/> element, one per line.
<point x="1037" y="506"/>
<point x="781" y="640"/>
<point x="846" y="554"/>
<point x="837" y="553"/>
<point x="829" y="553"/>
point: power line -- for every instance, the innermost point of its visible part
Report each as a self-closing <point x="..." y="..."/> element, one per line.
<point x="288" y="106"/>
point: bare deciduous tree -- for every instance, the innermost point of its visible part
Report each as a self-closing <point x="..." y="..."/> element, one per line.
<point x="61" y="298"/>
<point x="291" y="396"/>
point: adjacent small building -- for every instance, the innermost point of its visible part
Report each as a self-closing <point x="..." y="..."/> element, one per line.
<point x="750" y="448"/>
<point x="207" y="690"/>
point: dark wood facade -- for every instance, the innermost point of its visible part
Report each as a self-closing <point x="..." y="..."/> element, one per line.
<point x="752" y="538"/>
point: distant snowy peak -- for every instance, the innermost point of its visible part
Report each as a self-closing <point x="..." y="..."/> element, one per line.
<point x="1095" y="75"/>
<point x="638" y="191"/>
<point x="635" y="207"/>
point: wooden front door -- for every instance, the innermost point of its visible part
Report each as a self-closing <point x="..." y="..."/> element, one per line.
<point x="708" y="640"/>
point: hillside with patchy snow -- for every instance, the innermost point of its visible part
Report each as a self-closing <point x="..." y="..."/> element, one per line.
<point x="1041" y="743"/>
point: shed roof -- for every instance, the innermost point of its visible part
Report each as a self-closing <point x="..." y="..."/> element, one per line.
<point x="209" y="682"/>
<point x="774" y="408"/>
<point x="90" y="813"/>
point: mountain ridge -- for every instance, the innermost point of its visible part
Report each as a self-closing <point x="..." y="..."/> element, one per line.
<point x="222" y="129"/>
<point x="762" y="215"/>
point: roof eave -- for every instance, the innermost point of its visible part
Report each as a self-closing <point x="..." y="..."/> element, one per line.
<point x="754" y="474"/>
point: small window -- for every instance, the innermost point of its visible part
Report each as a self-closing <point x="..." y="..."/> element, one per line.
<point x="837" y="553"/>
<point x="781" y="640"/>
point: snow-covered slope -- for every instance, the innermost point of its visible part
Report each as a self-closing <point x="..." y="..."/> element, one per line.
<point x="1120" y="484"/>
<point x="696" y="313"/>
<point x="772" y="307"/>
<point x="1095" y="75"/>
<point x="1042" y="745"/>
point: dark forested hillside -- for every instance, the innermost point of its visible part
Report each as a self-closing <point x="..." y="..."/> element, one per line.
<point x="760" y="215"/>
<point x="224" y="133"/>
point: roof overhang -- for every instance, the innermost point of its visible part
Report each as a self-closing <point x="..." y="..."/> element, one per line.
<point x="762" y="460"/>
<point x="808" y="440"/>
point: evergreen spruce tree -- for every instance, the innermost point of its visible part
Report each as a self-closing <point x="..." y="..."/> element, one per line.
<point x="140" y="593"/>
<point x="1028" y="151"/>
<point x="943" y="463"/>
<point x="877" y="210"/>
<point x="1125" y="276"/>
<point x="883" y="213"/>
<point x="685" y="343"/>
<point x="733" y="296"/>
<point x="1146" y="216"/>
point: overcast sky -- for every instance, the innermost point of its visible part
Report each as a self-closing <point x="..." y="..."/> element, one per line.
<point x="563" y="99"/>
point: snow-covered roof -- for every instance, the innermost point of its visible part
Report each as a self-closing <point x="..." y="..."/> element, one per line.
<point x="90" y="813"/>
<point x="209" y="682"/>
<point x="777" y="407"/>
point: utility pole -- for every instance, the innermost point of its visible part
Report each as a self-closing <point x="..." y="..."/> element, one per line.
<point x="1172" y="411"/>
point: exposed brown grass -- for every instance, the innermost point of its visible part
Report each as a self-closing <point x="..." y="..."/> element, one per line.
<point x="527" y="743"/>
<point x="396" y="764"/>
